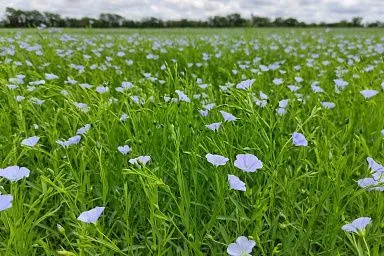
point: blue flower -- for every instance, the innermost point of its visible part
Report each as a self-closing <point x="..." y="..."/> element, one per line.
<point x="214" y="126"/>
<point x="83" y="130"/>
<point x="357" y="225"/>
<point x="124" y="149"/>
<point x="92" y="215"/>
<point x="328" y="105"/>
<point x="140" y="160"/>
<point x="30" y="142"/>
<point x="228" y="116"/>
<point x="299" y="140"/>
<point x="242" y="247"/>
<point x="216" y="160"/>
<point x="368" y="93"/>
<point x="246" y="84"/>
<point x="14" y="173"/>
<point x="248" y="163"/>
<point x="235" y="183"/>
<point x="5" y="202"/>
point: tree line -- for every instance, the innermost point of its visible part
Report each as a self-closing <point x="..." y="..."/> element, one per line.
<point x="15" y="18"/>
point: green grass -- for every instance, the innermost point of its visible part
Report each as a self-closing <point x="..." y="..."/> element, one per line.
<point x="180" y="204"/>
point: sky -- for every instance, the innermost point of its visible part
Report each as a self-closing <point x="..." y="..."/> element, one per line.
<point x="303" y="10"/>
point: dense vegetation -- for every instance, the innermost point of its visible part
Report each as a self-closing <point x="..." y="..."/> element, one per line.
<point x="191" y="140"/>
<point x="26" y="19"/>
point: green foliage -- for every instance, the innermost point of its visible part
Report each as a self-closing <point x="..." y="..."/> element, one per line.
<point x="179" y="204"/>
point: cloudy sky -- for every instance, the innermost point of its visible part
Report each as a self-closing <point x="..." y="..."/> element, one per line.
<point x="305" y="10"/>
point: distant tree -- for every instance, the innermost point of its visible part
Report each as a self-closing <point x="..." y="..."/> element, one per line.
<point x="235" y="20"/>
<point x="111" y="20"/>
<point x="152" y="22"/>
<point x="34" y="18"/>
<point x="357" y="22"/>
<point x="260" y="21"/>
<point x="184" y="23"/>
<point x="375" y="24"/>
<point x="86" y="22"/>
<point x="343" y="23"/>
<point x="278" y="22"/>
<point x="218" y="22"/>
<point x="15" y="18"/>
<point x="52" y="19"/>
<point x="130" y="24"/>
<point x="290" y="22"/>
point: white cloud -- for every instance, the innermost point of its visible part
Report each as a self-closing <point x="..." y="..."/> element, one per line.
<point x="306" y="10"/>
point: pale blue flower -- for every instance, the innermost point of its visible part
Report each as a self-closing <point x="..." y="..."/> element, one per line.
<point x="368" y="93"/>
<point x="137" y="100"/>
<point x="316" y="88"/>
<point x="51" y="76"/>
<point x="242" y="247"/>
<point x="123" y="117"/>
<point x="70" y="81"/>
<point x="293" y="88"/>
<point x="183" y="96"/>
<point x="328" y="105"/>
<point x="277" y="81"/>
<point x="12" y="86"/>
<point x="203" y="112"/>
<point x="83" y="130"/>
<point x="126" y="85"/>
<point x="30" y="142"/>
<point x="357" y="225"/>
<point x="340" y="84"/>
<point x="14" y="173"/>
<point x="91" y="216"/>
<point x="248" y="162"/>
<point x="281" y="111"/>
<point x="374" y="166"/>
<point x="263" y="96"/>
<point x="19" y="98"/>
<point x="36" y="101"/>
<point x="5" y="202"/>
<point x="71" y="141"/>
<point x="283" y="103"/>
<point x="216" y="160"/>
<point x="263" y="68"/>
<point x="82" y="106"/>
<point x="228" y="116"/>
<point x="371" y="184"/>
<point x="235" y="183"/>
<point x="214" y="126"/>
<point x="140" y="160"/>
<point x="246" y="84"/>
<point x="124" y="149"/>
<point x="38" y="82"/>
<point x="209" y="106"/>
<point x="299" y="79"/>
<point x="102" y="89"/>
<point x="86" y="86"/>
<point x="299" y="139"/>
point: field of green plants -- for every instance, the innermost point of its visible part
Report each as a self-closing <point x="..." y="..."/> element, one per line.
<point x="191" y="142"/>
